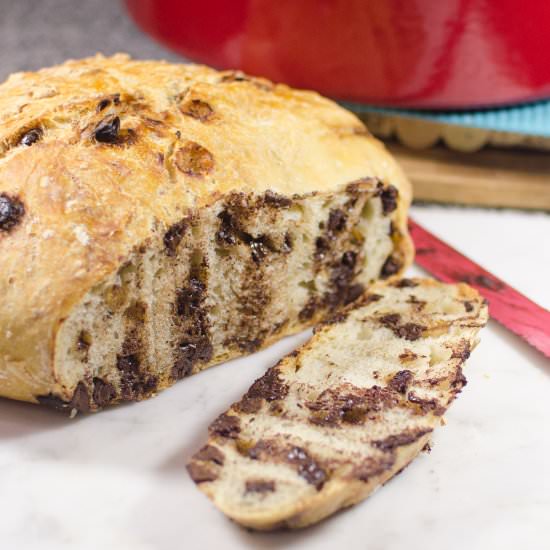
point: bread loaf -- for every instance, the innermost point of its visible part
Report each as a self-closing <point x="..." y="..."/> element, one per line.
<point x="336" y="419"/>
<point x="156" y="219"/>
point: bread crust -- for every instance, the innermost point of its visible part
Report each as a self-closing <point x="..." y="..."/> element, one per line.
<point x="102" y="151"/>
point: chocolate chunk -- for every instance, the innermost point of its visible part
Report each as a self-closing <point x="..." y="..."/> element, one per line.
<point x="227" y="231"/>
<point x="287" y="244"/>
<point x="274" y="199"/>
<point x="198" y="109"/>
<point x="468" y="306"/>
<point x="107" y="130"/>
<point x="371" y="467"/>
<point x="11" y="212"/>
<point x="408" y="331"/>
<point x="426" y="405"/>
<point x="190" y="353"/>
<point x="31" y="137"/>
<point x="259" y="486"/>
<point x="391" y="267"/>
<point x="103" y="104"/>
<point x="405" y="283"/>
<point x="259" y="248"/>
<point x="128" y="364"/>
<point x="248" y="405"/>
<point x="461" y="350"/>
<point x="81" y="399"/>
<point x="459" y="380"/>
<point x="226" y="426"/>
<point x="308" y="311"/>
<point x="349" y="404"/>
<point x="201" y="473"/>
<point x="173" y="237"/>
<point x="336" y="221"/>
<point x="269" y="387"/>
<point x="400" y="381"/>
<point x="189" y="298"/>
<point x="307" y="467"/>
<point x="322" y="246"/>
<point x="407" y="437"/>
<point x="353" y="292"/>
<point x="209" y="453"/>
<point x="194" y="160"/>
<point x="389" y="199"/>
<point x="103" y="392"/>
<point x="349" y="259"/>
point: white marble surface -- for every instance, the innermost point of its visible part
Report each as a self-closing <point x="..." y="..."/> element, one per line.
<point x="116" y="480"/>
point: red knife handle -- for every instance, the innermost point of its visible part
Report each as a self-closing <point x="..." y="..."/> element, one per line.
<point x="508" y="306"/>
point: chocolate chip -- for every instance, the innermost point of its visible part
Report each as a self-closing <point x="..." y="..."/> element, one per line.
<point x="103" y="104"/>
<point x="391" y="267"/>
<point x="31" y="137"/>
<point x="190" y="353"/>
<point x="371" y="467"/>
<point x="307" y="312"/>
<point x="189" y="298"/>
<point x="426" y="405"/>
<point x="103" y="392"/>
<point x="259" y="486"/>
<point x="128" y="364"/>
<point x="308" y="468"/>
<point x="107" y="130"/>
<point x="201" y="473"/>
<point x="468" y="306"/>
<point x="349" y="259"/>
<point x="198" y="109"/>
<point x="405" y="283"/>
<point x="389" y="199"/>
<point x="408" y="331"/>
<point x="209" y="453"/>
<point x="11" y="212"/>
<point x="407" y="437"/>
<point x="81" y="399"/>
<point x="401" y="380"/>
<point x="173" y="237"/>
<point x="274" y="199"/>
<point x="194" y="159"/>
<point x="269" y="387"/>
<point x="226" y="426"/>
<point x="336" y="221"/>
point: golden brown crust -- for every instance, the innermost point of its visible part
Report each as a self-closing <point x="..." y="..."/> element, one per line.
<point x="99" y="151"/>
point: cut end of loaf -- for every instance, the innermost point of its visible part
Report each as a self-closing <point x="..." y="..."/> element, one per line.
<point x="225" y="280"/>
<point x="333" y="421"/>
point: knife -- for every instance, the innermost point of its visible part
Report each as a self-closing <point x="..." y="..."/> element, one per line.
<point x="506" y="305"/>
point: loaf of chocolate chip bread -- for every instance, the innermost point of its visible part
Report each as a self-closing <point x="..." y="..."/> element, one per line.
<point x="156" y="219"/>
<point x="336" y="419"/>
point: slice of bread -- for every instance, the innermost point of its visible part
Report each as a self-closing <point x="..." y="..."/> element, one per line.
<point x="337" y="418"/>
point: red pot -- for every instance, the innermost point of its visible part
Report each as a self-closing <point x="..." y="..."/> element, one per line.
<point x="415" y="53"/>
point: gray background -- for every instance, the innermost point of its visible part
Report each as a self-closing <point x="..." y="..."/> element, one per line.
<point x="38" y="33"/>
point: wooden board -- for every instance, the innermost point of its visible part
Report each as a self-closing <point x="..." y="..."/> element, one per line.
<point x="490" y="177"/>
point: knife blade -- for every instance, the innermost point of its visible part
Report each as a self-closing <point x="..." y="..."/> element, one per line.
<point x="509" y="307"/>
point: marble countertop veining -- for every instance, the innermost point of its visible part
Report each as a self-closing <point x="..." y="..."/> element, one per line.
<point x="117" y="480"/>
